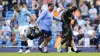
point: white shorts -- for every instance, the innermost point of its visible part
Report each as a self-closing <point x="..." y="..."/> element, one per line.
<point x="30" y="43"/>
<point x="23" y="29"/>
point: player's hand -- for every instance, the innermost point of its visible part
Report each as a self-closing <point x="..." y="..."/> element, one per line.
<point x="36" y="25"/>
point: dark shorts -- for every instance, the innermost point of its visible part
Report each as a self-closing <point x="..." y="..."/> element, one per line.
<point x="67" y="32"/>
<point x="46" y="34"/>
<point x="24" y="43"/>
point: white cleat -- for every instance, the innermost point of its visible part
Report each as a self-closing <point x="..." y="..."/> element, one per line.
<point x="70" y="51"/>
<point x="20" y="51"/>
<point x="27" y="51"/>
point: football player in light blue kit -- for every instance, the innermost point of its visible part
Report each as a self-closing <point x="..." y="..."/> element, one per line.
<point x="45" y="23"/>
<point x="21" y="15"/>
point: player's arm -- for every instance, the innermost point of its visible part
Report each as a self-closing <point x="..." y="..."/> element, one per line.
<point x="31" y="17"/>
<point x="14" y="16"/>
<point x="33" y="20"/>
<point x="57" y="19"/>
<point x="41" y="17"/>
<point x="62" y="17"/>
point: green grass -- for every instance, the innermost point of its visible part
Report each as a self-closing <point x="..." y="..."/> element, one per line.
<point x="50" y="54"/>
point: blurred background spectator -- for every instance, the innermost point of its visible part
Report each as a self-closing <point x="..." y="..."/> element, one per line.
<point x="5" y="39"/>
<point x="84" y="10"/>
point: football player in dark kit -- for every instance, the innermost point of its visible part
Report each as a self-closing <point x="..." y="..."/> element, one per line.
<point x="67" y="35"/>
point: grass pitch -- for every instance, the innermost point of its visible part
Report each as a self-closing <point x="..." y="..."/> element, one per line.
<point x="50" y="54"/>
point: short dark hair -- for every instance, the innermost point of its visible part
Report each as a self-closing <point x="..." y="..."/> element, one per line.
<point x="50" y="4"/>
<point x="16" y="6"/>
<point x="22" y="4"/>
<point x="74" y="8"/>
<point x="69" y="5"/>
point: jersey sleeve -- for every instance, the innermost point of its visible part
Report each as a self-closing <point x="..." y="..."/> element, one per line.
<point x="27" y="12"/>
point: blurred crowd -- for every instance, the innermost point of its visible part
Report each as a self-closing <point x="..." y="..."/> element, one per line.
<point x="86" y="32"/>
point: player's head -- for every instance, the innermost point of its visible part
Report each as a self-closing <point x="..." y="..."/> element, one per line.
<point x="51" y="6"/>
<point x="75" y="11"/>
<point x="68" y="6"/>
<point x="71" y="7"/>
<point x="23" y="5"/>
<point x="17" y="7"/>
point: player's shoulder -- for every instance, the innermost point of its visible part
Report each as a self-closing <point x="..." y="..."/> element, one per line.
<point x="24" y="9"/>
<point x="45" y="11"/>
<point x="63" y="12"/>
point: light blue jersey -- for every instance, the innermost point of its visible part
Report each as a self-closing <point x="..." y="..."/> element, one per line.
<point x="22" y="17"/>
<point x="45" y="20"/>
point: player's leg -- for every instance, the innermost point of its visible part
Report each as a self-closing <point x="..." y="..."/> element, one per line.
<point x="26" y="41"/>
<point x="21" y="49"/>
<point x="41" y="41"/>
<point x="40" y="46"/>
<point x="30" y="43"/>
<point x="63" y="40"/>
<point x="47" y="40"/>
<point x="69" y="44"/>
<point x="27" y="47"/>
<point x="74" y="49"/>
<point x="22" y="30"/>
<point x="45" y="44"/>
